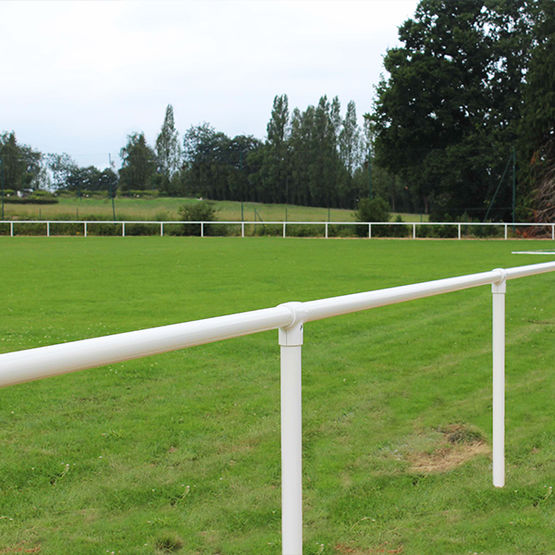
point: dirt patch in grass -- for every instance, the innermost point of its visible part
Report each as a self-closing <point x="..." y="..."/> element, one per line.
<point x="458" y="445"/>
<point x="384" y="548"/>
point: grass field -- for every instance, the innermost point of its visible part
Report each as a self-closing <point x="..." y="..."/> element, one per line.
<point x="180" y="452"/>
<point x="166" y="208"/>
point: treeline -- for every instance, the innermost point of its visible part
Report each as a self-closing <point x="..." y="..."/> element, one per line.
<point x="315" y="157"/>
<point x="312" y="157"/>
<point x="462" y="126"/>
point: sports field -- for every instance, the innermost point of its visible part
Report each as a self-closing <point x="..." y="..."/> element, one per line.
<point x="180" y="452"/>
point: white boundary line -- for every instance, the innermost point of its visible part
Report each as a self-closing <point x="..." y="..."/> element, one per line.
<point x="534" y="252"/>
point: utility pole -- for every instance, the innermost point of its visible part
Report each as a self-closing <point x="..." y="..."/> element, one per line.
<point x="242" y="189"/>
<point x="2" y="181"/>
<point x="112" y="188"/>
<point x="370" y="174"/>
<point x="514" y="186"/>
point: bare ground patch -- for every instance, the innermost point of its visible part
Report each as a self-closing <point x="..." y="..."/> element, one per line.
<point x="383" y="548"/>
<point x="458" y="445"/>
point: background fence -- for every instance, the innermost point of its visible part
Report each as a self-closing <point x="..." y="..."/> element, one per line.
<point x="414" y="230"/>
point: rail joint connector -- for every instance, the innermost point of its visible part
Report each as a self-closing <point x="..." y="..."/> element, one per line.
<point x="500" y="285"/>
<point x="292" y="335"/>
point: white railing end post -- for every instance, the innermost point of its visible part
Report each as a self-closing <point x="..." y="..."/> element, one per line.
<point x="498" y="290"/>
<point x="291" y="340"/>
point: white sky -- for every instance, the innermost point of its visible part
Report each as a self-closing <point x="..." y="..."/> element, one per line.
<point x="79" y="76"/>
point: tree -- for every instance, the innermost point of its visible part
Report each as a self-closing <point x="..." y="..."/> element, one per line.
<point x="138" y="164"/>
<point x="349" y="140"/>
<point x="168" y="150"/>
<point x="275" y="168"/>
<point x="21" y="165"/>
<point x="61" y="166"/>
<point x="446" y="118"/>
<point x="218" y="167"/>
<point x="325" y="159"/>
<point x="537" y="129"/>
<point x="108" y="181"/>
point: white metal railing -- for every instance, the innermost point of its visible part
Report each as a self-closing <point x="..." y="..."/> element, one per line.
<point x="289" y="318"/>
<point x="203" y="223"/>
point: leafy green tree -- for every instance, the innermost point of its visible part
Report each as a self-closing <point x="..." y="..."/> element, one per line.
<point x="537" y="129"/>
<point x="108" y="181"/>
<point x="21" y="165"/>
<point x="61" y="167"/>
<point x="138" y="164"/>
<point x="218" y="167"/>
<point x="446" y="117"/>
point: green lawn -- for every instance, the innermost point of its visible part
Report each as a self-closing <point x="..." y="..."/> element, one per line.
<point x="166" y="208"/>
<point x="181" y="451"/>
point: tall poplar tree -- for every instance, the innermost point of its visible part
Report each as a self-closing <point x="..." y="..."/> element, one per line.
<point x="349" y="140"/>
<point x="168" y="150"/>
<point x="275" y="169"/>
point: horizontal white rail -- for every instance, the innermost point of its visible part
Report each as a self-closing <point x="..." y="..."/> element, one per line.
<point x="202" y="223"/>
<point x="289" y="318"/>
<point x="31" y="364"/>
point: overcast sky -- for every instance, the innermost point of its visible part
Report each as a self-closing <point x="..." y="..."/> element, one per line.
<point x="78" y="77"/>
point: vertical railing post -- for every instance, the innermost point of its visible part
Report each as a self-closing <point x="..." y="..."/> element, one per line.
<point x="326" y="226"/>
<point x="243" y="229"/>
<point x="498" y="290"/>
<point x="161" y="229"/>
<point x="123" y="229"/>
<point x="48" y="229"/>
<point x="553" y="232"/>
<point x="369" y="231"/>
<point x="202" y="229"/>
<point x="84" y="229"/>
<point x="291" y="340"/>
<point x="284" y="224"/>
<point x="11" y="229"/>
<point x="505" y="231"/>
<point x="459" y="230"/>
<point x="414" y="231"/>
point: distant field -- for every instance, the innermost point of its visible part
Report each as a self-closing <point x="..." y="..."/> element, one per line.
<point x="166" y="208"/>
<point x="180" y="452"/>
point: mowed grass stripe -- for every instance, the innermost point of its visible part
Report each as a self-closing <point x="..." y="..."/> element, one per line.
<point x="181" y="451"/>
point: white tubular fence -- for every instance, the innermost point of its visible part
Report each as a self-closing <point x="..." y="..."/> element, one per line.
<point x="289" y="318"/>
<point x="410" y="227"/>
